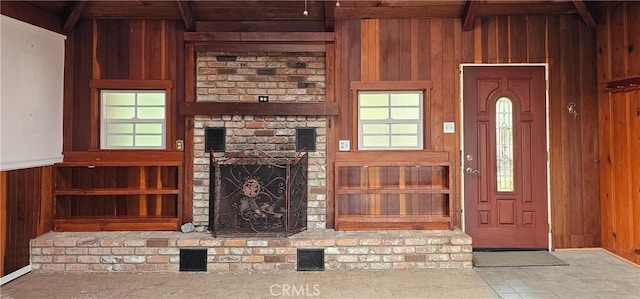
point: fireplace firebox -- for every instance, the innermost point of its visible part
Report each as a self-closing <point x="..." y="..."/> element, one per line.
<point x="258" y="195"/>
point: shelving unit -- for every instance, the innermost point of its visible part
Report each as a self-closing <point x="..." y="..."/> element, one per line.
<point x="393" y="193"/>
<point x="94" y="196"/>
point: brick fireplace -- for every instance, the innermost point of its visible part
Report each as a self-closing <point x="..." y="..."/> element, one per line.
<point x="242" y="77"/>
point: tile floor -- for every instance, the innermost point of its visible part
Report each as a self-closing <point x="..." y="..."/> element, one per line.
<point x="590" y="274"/>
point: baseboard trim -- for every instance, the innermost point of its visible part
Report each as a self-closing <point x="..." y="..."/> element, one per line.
<point x="15" y="274"/>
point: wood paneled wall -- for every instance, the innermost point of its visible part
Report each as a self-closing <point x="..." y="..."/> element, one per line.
<point x="618" y="44"/>
<point x="118" y="49"/>
<point x="26" y="205"/>
<point x="432" y="49"/>
<point x="402" y="50"/>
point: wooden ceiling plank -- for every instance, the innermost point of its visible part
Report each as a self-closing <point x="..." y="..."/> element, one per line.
<point x="31" y="14"/>
<point x="187" y="14"/>
<point x="74" y="16"/>
<point x="584" y="13"/>
<point x="471" y="8"/>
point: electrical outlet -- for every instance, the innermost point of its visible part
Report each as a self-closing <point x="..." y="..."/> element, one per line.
<point x="449" y="127"/>
<point x="263" y="99"/>
<point x="344" y="145"/>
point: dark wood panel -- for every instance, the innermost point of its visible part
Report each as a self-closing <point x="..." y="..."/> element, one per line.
<point x="82" y="64"/>
<point x="24" y="193"/>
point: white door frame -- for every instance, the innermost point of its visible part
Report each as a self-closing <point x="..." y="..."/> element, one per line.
<point x="546" y="77"/>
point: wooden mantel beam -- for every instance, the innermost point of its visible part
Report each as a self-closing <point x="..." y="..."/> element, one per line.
<point x="258" y="37"/>
<point x="584" y="13"/>
<point x="186" y="12"/>
<point x="74" y="16"/>
<point x="471" y="8"/>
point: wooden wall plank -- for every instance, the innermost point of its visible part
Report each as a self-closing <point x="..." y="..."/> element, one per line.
<point x="424" y="49"/>
<point x="502" y="37"/>
<point x="136" y="52"/>
<point x="622" y="204"/>
<point x="518" y="39"/>
<point x="618" y="42"/>
<point x="450" y="92"/>
<point x="45" y="217"/>
<point x="536" y="39"/>
<point x="569" y="60"/>
<point x="633" y="39"/>
<point x="589" y="146"/>
<point x="634" y="166"/>
<point x="556" y="114"/>
<point x="437" y="100"/>
<point x="490" y="39"/>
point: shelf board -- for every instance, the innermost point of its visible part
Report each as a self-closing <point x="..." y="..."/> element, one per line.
<point x="116" y="223"/>
<point x="419" y="222"/>
<point x="623" y="84"/>
<point x="424" y="190"/>
<point x="115" y="191"/>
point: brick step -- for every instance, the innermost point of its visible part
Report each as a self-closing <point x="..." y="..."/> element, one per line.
<point x="160" y="251"/>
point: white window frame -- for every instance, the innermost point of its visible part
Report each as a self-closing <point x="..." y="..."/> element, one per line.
<point x="420" y="122"/>
<point x="104" y="122"/>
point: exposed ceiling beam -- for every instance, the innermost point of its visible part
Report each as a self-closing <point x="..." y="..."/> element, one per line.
<point x="470" y="10"/>
<point x="32" y="14"/>
<point x="186" y="12"/>
<point x="584" y="13"/>
<point x="74" y="16"/>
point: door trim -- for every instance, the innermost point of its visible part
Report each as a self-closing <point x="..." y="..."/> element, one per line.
<point x="461" y="113"/>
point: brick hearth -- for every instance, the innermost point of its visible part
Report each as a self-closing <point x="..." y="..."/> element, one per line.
<point x="160" y="251"/>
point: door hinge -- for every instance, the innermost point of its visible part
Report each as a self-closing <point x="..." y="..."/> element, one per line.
<point x="549" y="227"/>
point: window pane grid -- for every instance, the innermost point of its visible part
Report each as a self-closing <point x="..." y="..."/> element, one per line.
<point x="390" y="120"/>
<point x="133" y="119"/>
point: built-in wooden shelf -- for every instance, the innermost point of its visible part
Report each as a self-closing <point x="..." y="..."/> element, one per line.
<point x="102" y="193"/>
<point x="376" y="190"/>
<point x="623" y="84"/>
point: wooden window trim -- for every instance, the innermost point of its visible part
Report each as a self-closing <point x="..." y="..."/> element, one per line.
<point x="424" y="86"/>
<point x="99" y="84"/>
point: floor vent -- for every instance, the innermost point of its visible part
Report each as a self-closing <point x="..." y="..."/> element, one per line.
<point x="310" y="259"/>
<point x="193" y="260"/>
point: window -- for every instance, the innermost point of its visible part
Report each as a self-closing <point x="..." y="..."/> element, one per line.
<point x="132" y="119"/>
<point x="504" y="144"/>
<point x="389" y="120"/>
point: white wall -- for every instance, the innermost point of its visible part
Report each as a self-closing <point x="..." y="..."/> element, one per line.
<point x="31" y="95"/>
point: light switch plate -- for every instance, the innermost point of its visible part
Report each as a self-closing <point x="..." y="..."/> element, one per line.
<point x="449" y="127"/>
<point x="344" y="145"/>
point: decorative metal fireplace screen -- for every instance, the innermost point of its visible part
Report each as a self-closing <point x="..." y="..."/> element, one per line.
<point x="258" y="195"/>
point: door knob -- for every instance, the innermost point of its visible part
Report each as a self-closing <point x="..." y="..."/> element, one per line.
<point x="472" y="171"/>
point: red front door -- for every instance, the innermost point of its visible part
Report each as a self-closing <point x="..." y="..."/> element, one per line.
<point x="505" y="156"/>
